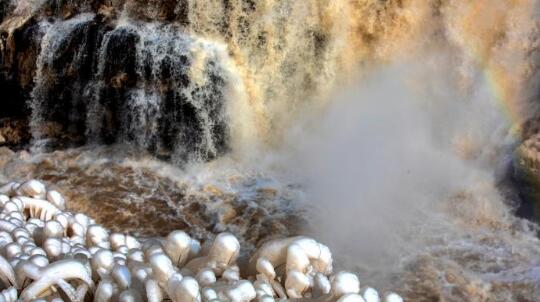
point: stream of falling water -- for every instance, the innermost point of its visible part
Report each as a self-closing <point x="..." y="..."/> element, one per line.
<point x="400" y="174"/>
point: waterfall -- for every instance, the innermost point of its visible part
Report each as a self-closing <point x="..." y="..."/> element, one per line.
<point x="147" y="84"/>
<point x="400" y="122"/>
<point x="183" y="79"/>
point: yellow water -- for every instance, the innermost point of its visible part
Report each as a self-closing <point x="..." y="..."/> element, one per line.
<point x="379" y="127"/>
<point x="291" y="54"/>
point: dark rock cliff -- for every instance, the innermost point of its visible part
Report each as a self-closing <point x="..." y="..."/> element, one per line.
<point x="73" y="69"/>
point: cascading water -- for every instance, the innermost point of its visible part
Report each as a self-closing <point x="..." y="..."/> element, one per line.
<point x="175" y="102"/>
<point x="405" y="174"/>
<point x="148" y="84"/>
<point x="55" y="42"/>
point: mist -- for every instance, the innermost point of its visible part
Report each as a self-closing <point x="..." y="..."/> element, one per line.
<point x="383" y="164"/>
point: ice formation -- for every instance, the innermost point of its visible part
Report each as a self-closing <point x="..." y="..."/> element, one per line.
<point x="47" y="252"/>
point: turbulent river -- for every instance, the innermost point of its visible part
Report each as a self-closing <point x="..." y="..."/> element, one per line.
<point x="401" y="133"/>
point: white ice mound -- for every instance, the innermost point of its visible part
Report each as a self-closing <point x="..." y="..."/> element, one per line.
<point x="49" y="253"/>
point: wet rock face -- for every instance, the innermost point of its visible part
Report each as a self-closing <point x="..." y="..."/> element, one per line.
<point x="17" y="68"/>
<point x="5" y="9"/>
<point x="100" y="81"/>
<point x="526" y="177"/>
<point x="119" y="75"/>
<point x="13" y="132"/>
<point x="72" y="63"/>
<point x="162" y="10"/>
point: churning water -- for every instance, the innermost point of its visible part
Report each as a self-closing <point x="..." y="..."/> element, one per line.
<point x="384" y="128"/>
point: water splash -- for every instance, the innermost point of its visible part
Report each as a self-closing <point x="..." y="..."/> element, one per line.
<point x="404" y="184"/>
<point x="414" y="167"/>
